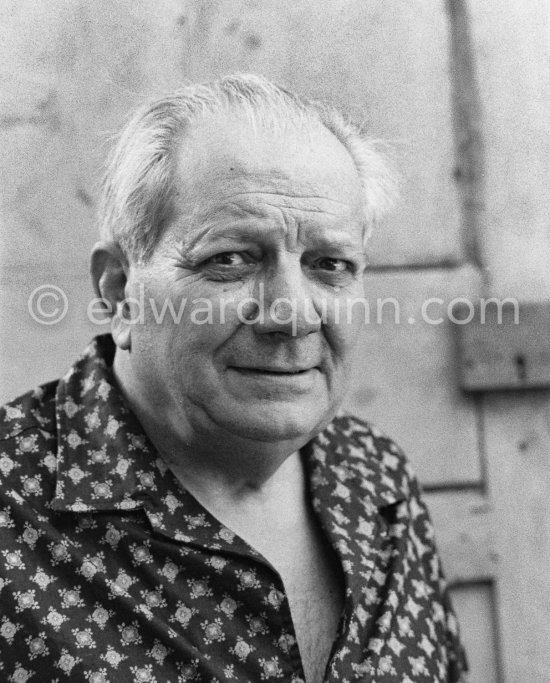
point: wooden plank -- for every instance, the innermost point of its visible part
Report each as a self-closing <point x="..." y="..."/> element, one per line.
<point x="504" y="348"/>
<point x="464" y="530"/>
<point x="467" y="116"/>
<point x="405" y="381"/>
<point x="511" y="40"/>
<point x="518" y="444"/>
<point x="512" y="45"/>
<point x="474" y="605"/>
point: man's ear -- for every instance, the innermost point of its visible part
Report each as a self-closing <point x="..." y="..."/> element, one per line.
<point x="110" y="268"/>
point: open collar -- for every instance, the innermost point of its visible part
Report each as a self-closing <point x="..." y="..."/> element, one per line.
<point x="104" y="459"/>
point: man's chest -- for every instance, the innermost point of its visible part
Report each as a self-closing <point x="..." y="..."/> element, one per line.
<point x="314" y="585"/>
<point x="315" y="591"/>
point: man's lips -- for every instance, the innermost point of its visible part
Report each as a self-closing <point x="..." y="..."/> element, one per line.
<point x="274" y="370"/>
<point x="271" y="380"/>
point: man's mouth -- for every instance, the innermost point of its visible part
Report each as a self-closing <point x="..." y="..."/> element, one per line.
<point x="274" y="370"/>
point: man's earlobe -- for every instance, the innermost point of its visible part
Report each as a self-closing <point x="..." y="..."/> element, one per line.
<point x="109" y="267"/>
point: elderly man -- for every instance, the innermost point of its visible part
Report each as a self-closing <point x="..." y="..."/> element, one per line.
<point x="184" y="505"/>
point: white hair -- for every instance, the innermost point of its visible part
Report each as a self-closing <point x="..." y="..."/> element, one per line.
<point x="137" y="192"/>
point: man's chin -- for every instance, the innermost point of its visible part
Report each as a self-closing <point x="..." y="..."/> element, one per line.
<point x="272" y="424"/>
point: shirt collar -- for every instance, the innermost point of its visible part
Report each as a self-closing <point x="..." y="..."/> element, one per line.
<point x="104" y="459"/>
<point x="106" y="462"/>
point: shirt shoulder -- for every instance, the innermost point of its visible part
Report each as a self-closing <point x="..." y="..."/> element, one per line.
<point x="28" y="443"/>
<point x="34" y="409"/>
<point x="364" y="441"/>
<point x="367" y="461"/>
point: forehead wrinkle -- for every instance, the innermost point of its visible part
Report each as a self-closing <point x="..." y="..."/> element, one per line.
<point x="300" y="209"/>
<point x="288" y="198"/>
<point x="237" y="210"/>
<point x="232" y="185"/>
<point x="224" y="206"/>
<point x="208" y="215"/>
<point x="241" y="207"/>
<point x="274" y="217"/>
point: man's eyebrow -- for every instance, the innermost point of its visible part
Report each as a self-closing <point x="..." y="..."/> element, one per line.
<point x="334" y="242"/>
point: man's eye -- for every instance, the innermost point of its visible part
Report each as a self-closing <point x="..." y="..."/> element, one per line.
<point x="227" y="258"/>
<point x="333" y="265"/>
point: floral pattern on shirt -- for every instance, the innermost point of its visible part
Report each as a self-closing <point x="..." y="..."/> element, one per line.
<point x="110" y="571"/>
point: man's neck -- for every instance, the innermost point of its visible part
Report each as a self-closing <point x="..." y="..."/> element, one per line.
<point x="246" y="506"/>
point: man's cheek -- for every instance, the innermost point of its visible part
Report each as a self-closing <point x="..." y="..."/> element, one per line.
<point x="225" y="311"/>
<point x="344" y="315"/>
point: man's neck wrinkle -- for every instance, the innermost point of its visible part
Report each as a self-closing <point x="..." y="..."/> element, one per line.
<point x="214" y="490"/>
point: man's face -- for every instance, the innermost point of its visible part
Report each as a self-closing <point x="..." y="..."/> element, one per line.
<point x="274" y="217"/>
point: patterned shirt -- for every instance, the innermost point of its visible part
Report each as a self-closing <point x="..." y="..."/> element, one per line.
<point x="111" y="571"/>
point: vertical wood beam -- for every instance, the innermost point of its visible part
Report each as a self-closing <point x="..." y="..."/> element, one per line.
<point x="467" y="127"/>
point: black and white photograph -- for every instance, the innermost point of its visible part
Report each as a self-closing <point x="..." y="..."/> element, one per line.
<point x="275" y="341"/>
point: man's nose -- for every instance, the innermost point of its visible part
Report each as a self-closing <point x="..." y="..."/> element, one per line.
<point x="287" y="302"/>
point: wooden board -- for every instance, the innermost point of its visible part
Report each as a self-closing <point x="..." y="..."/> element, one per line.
<point x="518" y="446"/>
<point x="511" y="42"/>
<point x="464" y="523"/>
<point x="475" y="608"/>
<point x="465" y="534"/>
<point x="504" y="348"/>
<point x="406" y="376"/>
